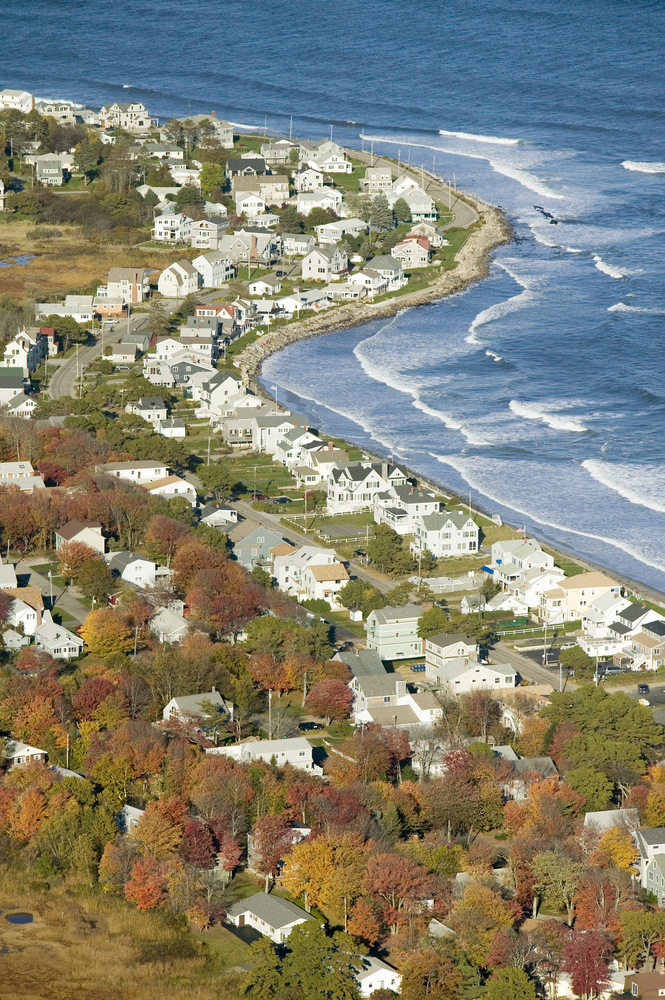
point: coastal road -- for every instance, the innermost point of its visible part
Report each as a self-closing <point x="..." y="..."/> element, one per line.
<point x="463" y="214"/>
<point x="63" y="381"/>
<point x="528" y="668"/>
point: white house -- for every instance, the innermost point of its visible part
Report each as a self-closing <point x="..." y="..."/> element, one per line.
<point x="389" y="268"/>
<point x="250" y="204"/>
<point x="179" y="280"/>
<point x="354" y="487"/>
<point x="297" y="244"/>
<point x="215" y="268"/>
<point x="324" y="263"/>
<point x="151" y="408"/>
<point x="22" y="753"/>
<point x="169" y="626"/>
<point x="570" y="599"/>
<point x="218" y="516"/>
<point x="373" y="974"/>
<point x="136" y="471"/>
<point x="19" y="100"/>
<point x="26" y="608"/>
<point x="297" y="752"/>
<point x="173" y="227"/>
<point x="511" y="557"/>
<point x="271" y="916"/>
<point x="379" y="178"/>
<point x="371" y="281"/>
<point x="402" y="507"/>
<point x="11" y="386"/>
<point x="393" y="632"/>
<point x="412" y="252"/>
<point x="325" y="197"/>
<point x="123" y="353"/>
<point x="461" y="676"/>
<point x="308" y="178"/>
<point x="133" y="568"/>
<point x="435" y="236"/>
<point x="289" y="569"/>
<point x="326" y="154"/>
<point x="88" y="532"/>
<point x="333" y="232"/>
<point x="131" y="116"/>
<point x="442" y="648"/>
<point x="12" y="471"/>
<point x="187" y="706"/>
<point x="172" y="486"/>
<point x="58" y="641"/>
<point x="324" y="582"/>
<point x="26" y="350"/>
<point x="21" y="406"/>
<point x="445" y="534"/>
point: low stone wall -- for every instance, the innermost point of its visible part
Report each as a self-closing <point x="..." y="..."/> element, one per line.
<point x="473" y="262"/>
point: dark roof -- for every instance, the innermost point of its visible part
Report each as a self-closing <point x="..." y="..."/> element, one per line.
<point x="412" y="494"/>
<point x="633" y="611"/>
<point x="653" y="835"/>
<point x="657" y="628"/>
<point x="619" y="628"/>
<point x="11" y="381"/>
<point x="276" y="912"/>
<point x="72" y="528"/>
<point x="545" y="765"/>
<point x="362" y="663"/>
<point x="121" y="560"/>
<point x="443" y="639"/>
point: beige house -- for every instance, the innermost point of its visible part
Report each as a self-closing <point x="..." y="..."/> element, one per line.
<point x="88" y="532"/>
<point x="441" y="649"/>
<point x="570" y="599"/>
<point x="413" y="252"/>
<point x="325" y="582"/>
<point x="172" y="486"/>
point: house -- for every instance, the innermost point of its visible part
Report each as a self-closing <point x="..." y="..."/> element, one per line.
<point x="246" y="166"/>
<point x="169" y="626"/>
<point x="354" y="487"/>
<point x="650" y="842"/>
<point x="172" y="227"/>
<point x="253" y="549"/>
<point x="377" y="179"/>
<point x="123" y="352"/>
<point x="308" y="178"/>
<point x="7" y="576"/>
<point x="136" y="471"/>
<point x="297" y="244"/>
<point x="279" y="151"/>
<point x="288" y="450"/>
<point x="646" y="985"/>
<point x="215" y="269"/>
<point x="288" y="569"/>
<point x="131" y="284"/>
<point x="11" y="386"/>
<point x="324" y="263"/>
<point x="12" y="471"/>
<point x="273" y="188"/>
<point x="463" y="675"/>
<point x="88" y="532"/>
<point x="376" y="691"/>
<point x="511" y="557"/>
<point x="362" y="662"/>
<point x="373" y="974"/>
<point x="26" y="351"/>
<point x="569" y="600"/>
<point x="297" y="752"/>
<point x="422" y="207"/>
<point x="269" y="284"/>
<point x="162" y="150"/>
<point x="325" y="197"/>
<point x="179" y="280"/>
<point x="172" y="486"/>
<point x="413" y="253"/>
<point x="326" y="154"/>
<point x="18" y="753"/>
<point x="271" y="916"/>
<point x="192" y="705"/>
<point x="402" y="507"/>
<point x="324" y="582"/>
<point x="222" y="130"/>
<point x="207" y="233"/>
<point x="435" y="236"/>
<point x="50" y="172"/>
<point x="218" y="516"/>
<point x="133" y="568"/>
<point x="218" y="389"/>
<point x="107" y="308"/>
<point x="647" y="648"/>
<point x="601" y="613"/>
<point x="393" y="632"/>
<point x="522" y="774"/>
<point x="333" y="232"/>
<point x="269" y="428"/>
<point x="14" y="640"/>
<point x="322" y="461"/>
<point x="372" y="282"/>
<point x="26" y="608"/>
<point x="158" y="374"/>
<point x="19" y="100"/>
<point x="21" y="406"/>
<point x="143" y="340"/>
<point x="151" y="408"/>
<point x="390" y="269"/>
<point x="57" y="640"/>
<point x="128" y="818"/>
<point x="251" y="245"/>
<point x="445" y="534"/>
<point x="171" y="427"/>
<point x="442" y="648"/>
<point x="130" y="116"/>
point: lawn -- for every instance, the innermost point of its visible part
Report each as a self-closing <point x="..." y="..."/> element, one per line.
<point x="342" y="618"/>
<point x="61" y="617"/>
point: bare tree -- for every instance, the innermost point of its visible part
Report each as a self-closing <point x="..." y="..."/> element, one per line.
<point x="426" y="746"/>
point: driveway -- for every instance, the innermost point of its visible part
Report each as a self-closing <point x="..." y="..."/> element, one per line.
<point x="63" y="599"/>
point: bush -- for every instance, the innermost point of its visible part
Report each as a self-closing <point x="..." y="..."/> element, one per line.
<point x="317" y="605"/>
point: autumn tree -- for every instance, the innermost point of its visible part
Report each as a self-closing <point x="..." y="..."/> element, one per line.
<point x="617" y="847"/>
<point x="148" y="885"/>
<point x="363" y="923"/>
<point x="197" y="845"/>
<point x="478" y="916"/>
<point x="162" y="537"/>
<point x="71" y="557"/>
<point x="639" y="931"/>
<point x="272" y="838"/>
<point x="557" y="878"/>
<point x="585" y="959"/>
<point x="600" y="896"/>
<point x="105" y="631"/>
<point x="157" y="832"/>
<point x="330" y="699"/>
<point x="393" y="881"/>
<point x="428" y="974"/>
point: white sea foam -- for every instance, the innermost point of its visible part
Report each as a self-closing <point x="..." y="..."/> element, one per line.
<point x="644" y="168"/>
<point x="481" y="138"/>
<point x="606" y="268"/>
<point x="460" y="465"/>
<point x="573" y="250"/>
<point x="643" y="485"/>
<point x="501" y="309"/>
<point x="622" y="307"/>
<point x="251" y="128"/>
<point x="553" y="418"/>
<point x="470" y="433"/>
<point x="491" y="354"/>
<point x="527" y="179"/>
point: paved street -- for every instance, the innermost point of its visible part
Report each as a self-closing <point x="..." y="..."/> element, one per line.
<point x="528" y="668"/>
<point x="62" y="596"/>
<point x="62" y="382"/>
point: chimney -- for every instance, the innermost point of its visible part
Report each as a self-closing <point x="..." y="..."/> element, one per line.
<point x="213" y="114"/>
<point x="213" y="689"/>
<point x="427" y="607"/>
<point x="384" y="470"/>
<point x="330" y="446"/>
<point x="253" y="254"/>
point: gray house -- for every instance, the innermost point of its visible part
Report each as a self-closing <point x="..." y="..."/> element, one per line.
<point x="254" y="548"/>
<point x="271" y="916"/>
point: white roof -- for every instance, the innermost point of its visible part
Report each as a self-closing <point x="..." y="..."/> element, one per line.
<point x="17" y="749"/>
<point x="607" y="818"/>
<point x="167" y="622"/>
<point x="371" y="965"/>
<point x="49" y="632"/>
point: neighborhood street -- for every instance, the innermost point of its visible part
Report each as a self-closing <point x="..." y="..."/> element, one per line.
<point x="63" y="599"/>
<point x="63" y="381"/>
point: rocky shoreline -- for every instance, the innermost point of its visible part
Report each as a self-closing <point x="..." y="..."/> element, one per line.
<point x="473" y="264"/>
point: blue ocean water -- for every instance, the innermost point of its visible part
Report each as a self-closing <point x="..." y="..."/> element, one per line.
<point x="540" y="390"/>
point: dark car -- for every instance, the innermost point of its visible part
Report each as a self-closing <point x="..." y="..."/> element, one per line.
<point x="642" y="688"/>
<point x="282" y="500"/>
<point x="307" y="727"/>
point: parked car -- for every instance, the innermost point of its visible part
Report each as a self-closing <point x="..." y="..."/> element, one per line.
<point x="642" y="688"/>
<point x="282" y="500"/>
<point x="308" y="727"/>
<point x="122" y="368"/>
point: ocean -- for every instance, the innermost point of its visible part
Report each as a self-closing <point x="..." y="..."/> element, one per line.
<point x="540" y="391"/>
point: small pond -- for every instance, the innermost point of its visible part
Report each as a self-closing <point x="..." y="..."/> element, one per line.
<point x="20" y="918"/>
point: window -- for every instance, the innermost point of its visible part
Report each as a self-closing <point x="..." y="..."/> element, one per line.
<point x="634" y="989"/>
<point x="387" y="699"/>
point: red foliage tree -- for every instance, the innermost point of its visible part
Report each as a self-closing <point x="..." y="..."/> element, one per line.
<point x="585" y="959"/>
<point x="393" y="881"/>
<point x="272" y="839"/>
<point x="147" y="886"/>
<point x="363" y="923"/>
<point x="191" y="558"/>
<point x="52" y="474"/>
<point x="564" y="731"/>
<point x="330" y="699"/>
<point x="269" y="673"/>
<point x="71" y="557"/>
<point x="90" y="695"/>
<point x="163" y="535"/>
<point x="31" y="658"/>
<point x="197" y="845"/>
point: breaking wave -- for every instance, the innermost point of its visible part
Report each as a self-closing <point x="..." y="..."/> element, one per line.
<point x="631" y="482"/>
<point x="644" y="168"/>
<point x="622" y="307"/>
<point x="530" y="411"/>
<point x="491" y="354"/>
<point x="527" y="179"/>
<point x="481" y="138"/>
<point x="613" y="272"/>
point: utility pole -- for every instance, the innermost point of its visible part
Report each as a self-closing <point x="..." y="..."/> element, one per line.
<point x="77" y="371"/>
<point x="291" y="129"/>
<point x="255" y="484"/>
<point x="270" y="714"/>
<point x="208" y="462"/>
<point x="371" y="156"/>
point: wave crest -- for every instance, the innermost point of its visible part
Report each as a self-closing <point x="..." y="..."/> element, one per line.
<point x="481" y="138"/>
<point x="630" y="481"/>
<point x="606" y="268"/>
<point x="644" y="168"/>
<point x="530" y="411"/>
<point x="622" y="307"/>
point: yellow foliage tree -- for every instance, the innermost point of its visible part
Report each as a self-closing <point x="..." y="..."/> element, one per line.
<point x="158" y="834"/>
<point x="477" y="917"/>
<point x="654" y="814"/>
<point x="532" y="736"/>
<point x="616" y="847"/>
<point x="308" y="870"/>
<point x="106" y="631"/>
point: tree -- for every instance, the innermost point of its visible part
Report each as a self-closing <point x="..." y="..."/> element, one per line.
<point x="477" y="917"/>
<point x="72" y="555"/>
<point x="393" y="880"/>
<point x="212" y="175"/>
<point x="330" y="699"/>
<point x="360" y="206"/>
<point x="162" y="537"/>
<point x="157" y="832"/>
<point x="577" y="660"/>
<point x="510" y="984"/>
<point x="106" y="631"/>
<point x="557" y="878"/>
<point x="263" y="981"/>
<point x="640" y="931"/>
<point x="95" y="580"/>
<point x="310" y="951"/>
<point x="290" y="221"/>
<point x="593" y="785"/>
<point x="428" y="974"/>
<point x="585" y="959"/>
<point x="272" y="838"/>
<point x="320" y="217"/>
<point x="363" y="923"/>
<point x="197" y="845"/>
<point x="432" y="622"/>
<point x="148" y="885"/>
<point x="189" y="200"/>
<point x="402" y="211"/>
<point x="262" y="577"/>
<point x="400" y="595"/>
<point x="381" y="214"/>
<point x="90" y="695"/>
<point x="216" y="479"/>
<point x="159" y="175"/>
